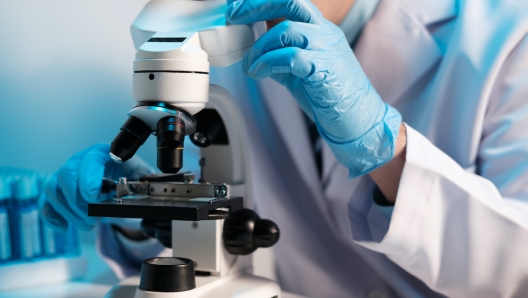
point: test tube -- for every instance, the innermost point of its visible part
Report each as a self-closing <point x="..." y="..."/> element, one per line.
<point x="49" y="241"/>
<point x="25" y="192"/>
<point x="5" y="227"/>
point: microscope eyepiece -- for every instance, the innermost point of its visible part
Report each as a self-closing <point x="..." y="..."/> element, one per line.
<point x="132" y="135"/>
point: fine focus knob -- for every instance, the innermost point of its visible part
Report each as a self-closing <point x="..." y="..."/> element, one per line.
<point x="266" y="233"/>
<point x="244" y="232"/>
<point x="167" y="275"/>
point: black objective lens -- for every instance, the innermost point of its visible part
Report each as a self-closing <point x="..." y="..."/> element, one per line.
<point x="171" y="134"/>
<point x="132" y="135"/>
<point x="210" y="129"/>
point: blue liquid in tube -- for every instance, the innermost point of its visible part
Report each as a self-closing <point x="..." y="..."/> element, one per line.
<point x="5" y="227"/>
<point x="25" y="192"/>
<point x="49" y="241"/>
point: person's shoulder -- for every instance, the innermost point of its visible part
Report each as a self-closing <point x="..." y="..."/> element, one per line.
<point x="492" y="22"/>
<point x="510" y="4"/>
<point x="498" y="8"/>
<point x="505" y="10"/>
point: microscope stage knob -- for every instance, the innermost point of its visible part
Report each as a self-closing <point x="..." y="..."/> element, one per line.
<point x="189" y="177"/>
<point x="244" y="231"/>
<point x="266" y="233"/>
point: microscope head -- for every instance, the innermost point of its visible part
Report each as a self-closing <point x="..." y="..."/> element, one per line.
<point x="170" y="85"/>
<point x="177" y="42"/>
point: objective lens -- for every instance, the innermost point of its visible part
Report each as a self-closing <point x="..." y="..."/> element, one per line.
<point x="132" y="135"/>
<point x="115" y="158"/>
<point x="210" y="129"/>
<point x="171" y="134"/>
<point x="199" y="138"/>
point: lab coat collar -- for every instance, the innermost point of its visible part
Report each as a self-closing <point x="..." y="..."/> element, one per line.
<point x="430" y="12"/>
<point x="396" y="49"/>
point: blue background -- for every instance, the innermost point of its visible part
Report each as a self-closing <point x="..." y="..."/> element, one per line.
<point x="66" y="84"/>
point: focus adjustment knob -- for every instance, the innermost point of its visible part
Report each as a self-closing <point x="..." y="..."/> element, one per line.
<point x="266" y="233"/>
<point x="167" y="275"/>
<point x="244" y="232"/>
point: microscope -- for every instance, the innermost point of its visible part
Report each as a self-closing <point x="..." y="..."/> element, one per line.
<point x="212" y="229"/>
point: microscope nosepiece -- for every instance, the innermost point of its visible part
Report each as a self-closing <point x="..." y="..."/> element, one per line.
<point x="132" y="135"/>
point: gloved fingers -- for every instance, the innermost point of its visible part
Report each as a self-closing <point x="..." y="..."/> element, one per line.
<point x="126" y="223"/>
<point x="252" y="11"/>
<point x="163" y="232"/>
<point x="91" y="169"/>
<point x="80" y="207"/>
<point x="57" y="200"/>
<point x="67" y="181"/>
<point x="295" y="87"/>
<point x="295" y="61"/>
<point x="133" y="169"/>
<point x="96" y="164"/>
<point x="293" y="34"/>
<point x="50" y="216"/>
<point x="148" y="227"/>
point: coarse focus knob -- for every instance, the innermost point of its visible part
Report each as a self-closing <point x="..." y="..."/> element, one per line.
<point x="159" y="229"/>
<point x="167" y="275"/>
<point x="244" y="232"/>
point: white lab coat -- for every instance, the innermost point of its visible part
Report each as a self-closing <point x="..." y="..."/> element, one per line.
<point x="458" y="73"/>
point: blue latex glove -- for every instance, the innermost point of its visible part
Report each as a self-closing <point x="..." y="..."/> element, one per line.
<point x="78" y="182"/>
<point x="311" y="57"/>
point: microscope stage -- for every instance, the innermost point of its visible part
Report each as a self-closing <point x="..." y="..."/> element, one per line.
<point x="189" y="209"/>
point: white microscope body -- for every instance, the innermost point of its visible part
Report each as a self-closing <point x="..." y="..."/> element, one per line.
<point x="177" y="43"/>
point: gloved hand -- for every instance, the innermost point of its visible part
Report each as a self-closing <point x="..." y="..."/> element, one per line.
<point x="79" y="181"/>
<point x="311" y="57"/>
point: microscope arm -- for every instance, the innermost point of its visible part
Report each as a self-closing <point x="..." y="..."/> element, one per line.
<point x="178" y="43"/>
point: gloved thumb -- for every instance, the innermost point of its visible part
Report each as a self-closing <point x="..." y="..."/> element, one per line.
<point x="50" y="216"/>
<point x="91" y="171"/>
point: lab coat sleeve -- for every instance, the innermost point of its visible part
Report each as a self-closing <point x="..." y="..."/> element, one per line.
<point x="124" y="256"/>
<point x="465" y="234"/>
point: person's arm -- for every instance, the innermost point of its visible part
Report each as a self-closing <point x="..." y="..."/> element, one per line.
<point x="464" y="234"/>
<point x="121" y="246"/>
<point x="387" y="177"/>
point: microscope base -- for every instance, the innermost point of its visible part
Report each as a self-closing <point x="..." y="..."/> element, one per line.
<point x="232" y="286"/>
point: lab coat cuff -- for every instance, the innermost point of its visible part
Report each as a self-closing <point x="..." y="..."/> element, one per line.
<point x="111" y="252"/>
<point x="414" y="189"/>
<point x="381" y="203"/>
<point x="124" y="256"/>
